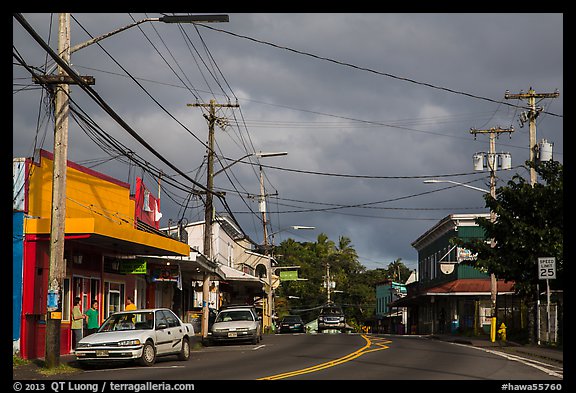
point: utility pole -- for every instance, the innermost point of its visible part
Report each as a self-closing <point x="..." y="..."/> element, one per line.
<point x="267" y="308"/>
<point x="209" y="208"/>
<point x="57" y="266"/>
<point x="492" y="164"/>
<point x="533" y="113"/>
<point x="328" y="282"/>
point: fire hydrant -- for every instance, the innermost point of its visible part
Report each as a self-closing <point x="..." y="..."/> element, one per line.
<point x="502" y="332"/>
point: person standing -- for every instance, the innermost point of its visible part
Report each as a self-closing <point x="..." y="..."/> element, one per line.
<point x="92" y="315"/>
<point x="130" y="304"/>
<point x="77" y="322"/>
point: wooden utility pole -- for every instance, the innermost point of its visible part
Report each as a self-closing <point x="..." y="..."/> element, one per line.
<point x="57" y="266"/>
<point x="267" y="307"/>
<point x="492" y="166"/>
<point x="533" y="113"/>
<point x="209" y="208"/>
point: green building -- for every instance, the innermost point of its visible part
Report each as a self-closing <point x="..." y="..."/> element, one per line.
<point x="451" y="297"/>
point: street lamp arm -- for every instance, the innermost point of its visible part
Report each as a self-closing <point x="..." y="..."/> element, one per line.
<point x="164" y="19"/>
<point x="234" y="162"/>
<point x="100" y="38"/>
<point x="290" y="227"/>
<point x="260" y="154"/>
<point x="457" y="183"/>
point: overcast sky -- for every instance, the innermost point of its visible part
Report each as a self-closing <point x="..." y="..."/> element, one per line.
<point x="366" y="105"/>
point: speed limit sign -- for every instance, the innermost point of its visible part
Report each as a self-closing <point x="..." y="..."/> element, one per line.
<point x="547" y="268"/>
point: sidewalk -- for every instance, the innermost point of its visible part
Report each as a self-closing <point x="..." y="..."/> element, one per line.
<point x="531" y="350"/>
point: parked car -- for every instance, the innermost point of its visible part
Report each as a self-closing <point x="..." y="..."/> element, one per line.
<point x="291" y="324"/>
<point x="331" y="318"/>
<point x="140" y="335"/>
<point x="194" y="316"/>
<point x="236" y="323"/>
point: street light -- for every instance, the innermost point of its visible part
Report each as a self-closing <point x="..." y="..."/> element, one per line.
<point x="163" y="19"/>
<point x="296" y="227"/>
<point x="493" y="281"/>
<point x="456" y="183"/>
<point x="259" y="155"/>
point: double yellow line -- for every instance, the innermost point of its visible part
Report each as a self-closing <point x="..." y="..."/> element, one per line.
<point x="376" y="344"/>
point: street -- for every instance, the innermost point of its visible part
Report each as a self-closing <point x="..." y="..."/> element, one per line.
<point x="333" y="357"/>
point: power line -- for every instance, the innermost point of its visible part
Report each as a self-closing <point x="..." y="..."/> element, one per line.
<point x="363" y="68"/>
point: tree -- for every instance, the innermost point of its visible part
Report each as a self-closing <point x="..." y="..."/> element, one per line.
<point x="397" y="271"/>
<point x="529" y="224"/>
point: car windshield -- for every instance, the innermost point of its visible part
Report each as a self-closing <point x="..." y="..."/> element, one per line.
<point x="234" y="315"/>
<point x="333" y="311"/>
<point x="128" y="321"/>
<point x="292" y="319"/>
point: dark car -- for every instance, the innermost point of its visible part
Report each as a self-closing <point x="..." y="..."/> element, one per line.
<point x="331" y="318"/>
<point x="291" y="324"/>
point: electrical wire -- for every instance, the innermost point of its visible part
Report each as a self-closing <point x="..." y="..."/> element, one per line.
<point x="362" y="68"/>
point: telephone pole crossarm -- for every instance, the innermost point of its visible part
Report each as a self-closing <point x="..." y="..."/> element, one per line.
<point x="531" y="96"/>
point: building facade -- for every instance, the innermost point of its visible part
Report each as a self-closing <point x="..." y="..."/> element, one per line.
<point x="103" y="234"/>
<point x="451" y="296"/>
<point x="388" y="319"/>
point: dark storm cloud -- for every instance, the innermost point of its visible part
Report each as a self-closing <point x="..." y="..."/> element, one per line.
<point x="329" y="117"/>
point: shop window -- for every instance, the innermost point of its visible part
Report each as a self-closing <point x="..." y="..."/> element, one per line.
<point x="113" y="297"/>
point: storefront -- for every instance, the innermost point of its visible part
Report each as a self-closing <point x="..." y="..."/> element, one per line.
<point x="102" y="236"/>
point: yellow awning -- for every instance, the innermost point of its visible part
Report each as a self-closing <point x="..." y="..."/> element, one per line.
<point x="112" y="235"/>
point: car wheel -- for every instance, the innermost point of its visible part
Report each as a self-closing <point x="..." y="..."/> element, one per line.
<point x="185" y="351"/>
<point x="148" y="354"/>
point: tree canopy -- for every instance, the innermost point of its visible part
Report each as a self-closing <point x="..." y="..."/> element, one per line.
<point x="529" y="224"/>
<point x="355" y="285"/>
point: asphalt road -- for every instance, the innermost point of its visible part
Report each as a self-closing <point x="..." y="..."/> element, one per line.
<point x="307" y="357"/>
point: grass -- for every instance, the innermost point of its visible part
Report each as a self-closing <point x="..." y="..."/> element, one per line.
<point x="17" y="361"/>
<point x="62" y="368"/>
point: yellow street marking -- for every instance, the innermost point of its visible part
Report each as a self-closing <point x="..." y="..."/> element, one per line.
<point x="378" y="342"/>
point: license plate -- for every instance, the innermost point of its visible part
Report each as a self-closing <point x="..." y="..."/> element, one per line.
<point x="232" y="334"/>
<point x="101" y="353"/>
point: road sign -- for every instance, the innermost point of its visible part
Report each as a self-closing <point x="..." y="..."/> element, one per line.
<point x="546" y="268"/>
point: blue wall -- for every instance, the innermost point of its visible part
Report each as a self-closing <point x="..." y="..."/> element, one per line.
<point x="17" y="241"/>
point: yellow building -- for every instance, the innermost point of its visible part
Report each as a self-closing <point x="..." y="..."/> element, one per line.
<point x="105" y="227"/>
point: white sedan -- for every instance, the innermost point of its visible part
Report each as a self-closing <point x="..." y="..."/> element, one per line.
<point x="142" y="335"/>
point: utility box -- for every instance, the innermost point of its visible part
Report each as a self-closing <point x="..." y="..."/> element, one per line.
<point x="505" y="161"/>
<point x="545" y="150"/>
<point x="478" y="160"/>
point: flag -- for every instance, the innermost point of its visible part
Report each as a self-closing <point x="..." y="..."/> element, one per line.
<point x="157" y="214"/>
<point x="179" y="282"/>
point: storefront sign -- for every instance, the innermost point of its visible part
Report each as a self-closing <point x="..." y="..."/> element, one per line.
<point x="289" y="275"/>
<point x="165" y="274"/>
<point x="464" y="254"/>
<point x="133" y="267"/>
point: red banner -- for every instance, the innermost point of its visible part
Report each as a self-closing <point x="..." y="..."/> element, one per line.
<point x="147" y="205"/>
